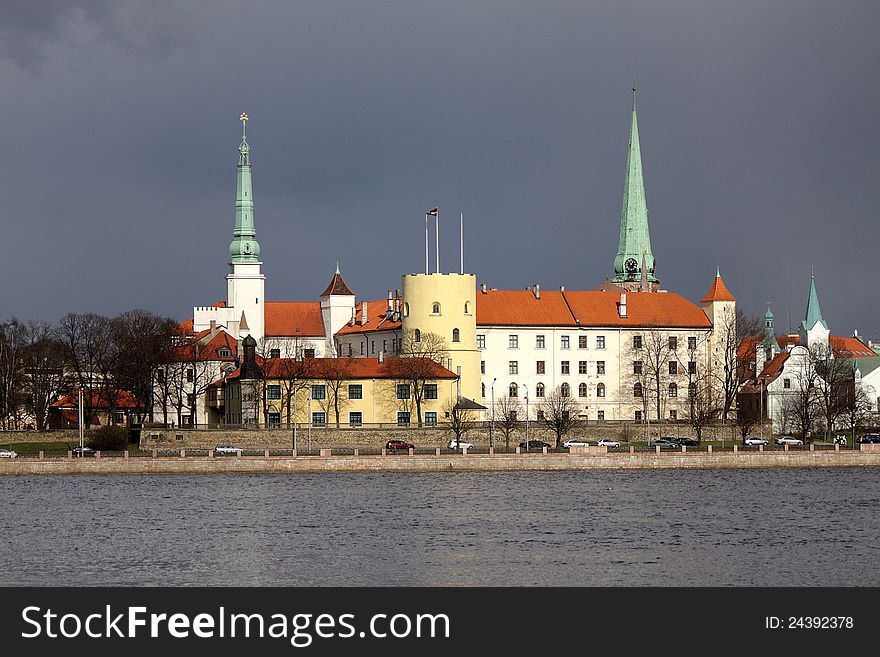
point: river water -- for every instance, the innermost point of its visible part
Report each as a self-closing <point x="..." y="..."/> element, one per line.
<point x="764" y="527"/>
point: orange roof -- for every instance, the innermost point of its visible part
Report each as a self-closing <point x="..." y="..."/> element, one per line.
<point x="648" y="309"/>
<point x="521" y="308"/>
<point x="207" y="346"/>
<point x="99" y="400"/>
<point x="337" y="285"/>
<point x="294" y="318"/>
<point x="718" y="291"/>
<point x="774" y="368"/>
<point x="345" y="368"/>
<point x="843" y="347"/>
<point x="187" y="326"/>
<point x="376" y="321"/>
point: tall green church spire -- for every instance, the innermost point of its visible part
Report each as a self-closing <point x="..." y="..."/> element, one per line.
<point x="635" y="240"/>
<point x="244" y="246"/>
<point x="814" y="313"/>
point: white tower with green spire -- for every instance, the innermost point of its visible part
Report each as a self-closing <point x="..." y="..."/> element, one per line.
<point x="814" y="329"/>
<point x="634" y="249"/>
<point x="243" y="313"/>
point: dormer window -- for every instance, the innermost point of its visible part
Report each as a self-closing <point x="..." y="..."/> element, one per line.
<point x="224" y="352"/>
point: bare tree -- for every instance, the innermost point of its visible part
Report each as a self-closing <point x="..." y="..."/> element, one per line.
<point x="799" y="406"/>
<point x="506" y="413"/>
<point x="417" y="365"/>
<point x="334" y="372"/>
<point x="459" y="419"/>
<point x="45" y="379"/>
<point x="833" y="381"/>
<point x="856" y="408"/>
<point x="733" y="363"/>
<point x="88" y="349"/>
<point x="704" y="404"/>
<point x="748" y="413"/>
<point x="13" y="344"/>
<point x="560" y="414"/>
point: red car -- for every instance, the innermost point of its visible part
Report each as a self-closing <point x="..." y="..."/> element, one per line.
<point x="399" y="446"/>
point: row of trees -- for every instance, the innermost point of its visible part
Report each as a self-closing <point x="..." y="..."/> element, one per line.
<point x="41" y="361"/>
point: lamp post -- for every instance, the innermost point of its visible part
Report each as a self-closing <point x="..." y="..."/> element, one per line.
<point x="492" y="417"/>
<point x="294" y="416"/>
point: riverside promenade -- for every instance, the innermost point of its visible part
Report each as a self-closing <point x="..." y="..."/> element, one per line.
<point x="594" y="459"/>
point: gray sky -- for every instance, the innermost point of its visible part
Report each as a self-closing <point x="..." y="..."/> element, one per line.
<point x="758" y="123"/>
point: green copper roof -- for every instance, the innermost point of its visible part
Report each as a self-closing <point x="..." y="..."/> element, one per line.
<point x="635" y="238"/>
<point x="769" y="331"/>
<point x="814" y="313"/>
<point x="244" y="246"/>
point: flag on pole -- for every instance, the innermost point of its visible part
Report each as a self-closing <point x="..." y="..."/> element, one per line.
<point x="433" y="213"/>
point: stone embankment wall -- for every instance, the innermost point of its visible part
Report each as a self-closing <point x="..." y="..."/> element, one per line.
<point x="443" y="463"/>
<point x="428" y="437"/>
<point x="60" y="436"/>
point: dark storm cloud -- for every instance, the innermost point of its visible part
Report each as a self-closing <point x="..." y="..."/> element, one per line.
<point x="757" y="119"/>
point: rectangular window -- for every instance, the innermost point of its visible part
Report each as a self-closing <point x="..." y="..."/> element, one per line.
<point x="319" y="391"/>
<point x="600" y="342"/>
<point x="637" y="367"/>
<point x="274" y="420"/>
<point x="403" y="418"/>
<point x="481" y="340"/>
<point x="513" y="367"/>
<point x="273" y="391"/>
<point x="355" y="418"/>
<point x="673" y="342"/>
<point x="319" y="418"/>
<point x="564" y="342"/>
<point x="189" y="399"/>
<point x="540" y="415"/>
<point x="539" y="342"/>
<point x="600" y="416"/>
<point x="692" y="343"/>
<point x="160" y="376"/>
<point x="513" y="342"/>
<point x="430" y="418"/>
<point x="384" y="345"/>
<point x="673" y="367"/>
<point x="362" y="348"/>
<point x="786" y="383"/>
<point x="403" y="391"/>
<point x="582" y="367"/>
<point x="482" y="367"/>
<point x="310" y="353"/>
<point x="189" y="376"/>
<point x="673" y="415"/>
<point x="637" y="342"/>
<point x="356" y="391"/>
<point x="430" y="391"/>
<point x="565" y="368"/>
<point x="600" y="367"/>
<point x="372" y="346"/>
<point x="692" y="367"/>
<point x="638" y="416"/>
<point x="582" y="342"/>
<point x="275" y="353"/>
<point x="119" y="418"/>
<point x="540" y="367"/>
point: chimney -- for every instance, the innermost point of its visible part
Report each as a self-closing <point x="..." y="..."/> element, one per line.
<point x="364" y="318"/>
<point x="381" y="357"/>
<point x="536" y="290"/>
<point x="353" y="319"/>
<point x="562" y="288"/>
<point x="483" y="288"/>
<point x="621" y="306"/>
<point x="855" y="332"/>
<point x="389" y="310"/>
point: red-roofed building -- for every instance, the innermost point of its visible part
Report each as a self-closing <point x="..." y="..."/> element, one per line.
<point x="113" y="408"/>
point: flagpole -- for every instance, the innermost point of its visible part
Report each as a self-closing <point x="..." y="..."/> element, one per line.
<point x="437" y="238"/>
<point x="461" y="238"/>
<point x="426" y="242"/>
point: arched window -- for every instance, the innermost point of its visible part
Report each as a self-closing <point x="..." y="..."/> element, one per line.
<point x="565" y="389"/>
<point x="673" y="390"/>
<point x="600" y="390"/>
<point x="513" y="391"/>
<point x="417" y="335"/>
<point x="406" y="309"/>
<point x="456" y="335"/>
<point x="435" y="308"/>
<point x="467" y="308"/>
<point x="637" y="390"/>
<point x="582" y="390"/>
<point x="539" y="390"/>
<point x="692" y="390"/>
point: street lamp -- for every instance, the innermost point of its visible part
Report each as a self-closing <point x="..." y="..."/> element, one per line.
<point x="294" y="416"/>
<point x="492" y="417"/>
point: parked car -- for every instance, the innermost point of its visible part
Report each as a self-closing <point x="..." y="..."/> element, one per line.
<point x="453" y="444"/>
<point x="537" y="445"/>
<point x="607" y="442"/>
<point x="663" y="443"/>
<point x="7" y="454"/>
<point x="755" y="440"/>
<point x="870" y="438"/>
<point x="689" y="442"/>
<point x="399" y="446"/>
<point x="789" y="440"/>
<point x="575" y="442"/>
<point x="83" y="451"/>
<point x="220" y="450"/>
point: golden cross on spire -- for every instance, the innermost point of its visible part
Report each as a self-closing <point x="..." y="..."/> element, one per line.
<point x="243" y="117"/>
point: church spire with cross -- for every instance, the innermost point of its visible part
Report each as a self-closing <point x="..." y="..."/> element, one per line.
<point x="244" y="246"/>
<point x="634" y="249"/>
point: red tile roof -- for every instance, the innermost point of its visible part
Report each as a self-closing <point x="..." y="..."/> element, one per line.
<point x="521" y="308"/>
<point x="376" y="313"/>
<point x="207" y="346"/>
<point x="337" y="285"/>
<point x="98" y="398"/>
<point x="346" y="368"/>
<point x="718" y="291"/>
<point x="774" y="368"/>
<point x="187" y="326"/>
<point x="294" y="318"/>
